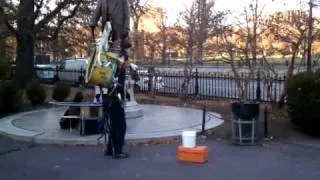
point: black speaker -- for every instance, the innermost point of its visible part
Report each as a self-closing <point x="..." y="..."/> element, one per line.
<point x="89" y="126"/>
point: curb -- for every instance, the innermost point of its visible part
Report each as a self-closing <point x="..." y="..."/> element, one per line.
<point x="8" y="129"/>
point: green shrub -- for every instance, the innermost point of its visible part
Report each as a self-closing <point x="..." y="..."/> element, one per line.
<point x="304" y="102"/>
<point x="36" y="93"/>
<point x="61" y="91"/>
<point x="5" y="68"/>
<point x="11" y="97"/>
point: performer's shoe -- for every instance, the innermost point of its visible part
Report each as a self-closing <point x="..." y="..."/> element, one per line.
<point x="121" y="156"/>
<point x="108" y="153"/>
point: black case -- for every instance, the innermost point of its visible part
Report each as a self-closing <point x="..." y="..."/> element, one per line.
<point x="89" y="126"/>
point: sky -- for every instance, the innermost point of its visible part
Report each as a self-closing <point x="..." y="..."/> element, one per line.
<point x="173" y="7"/>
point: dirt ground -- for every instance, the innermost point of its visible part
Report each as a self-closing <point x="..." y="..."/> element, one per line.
<point x="279" y="126"/>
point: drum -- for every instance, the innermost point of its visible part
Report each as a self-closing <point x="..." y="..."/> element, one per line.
<point x="102" y="64"/>
<point x="103" y="75"/>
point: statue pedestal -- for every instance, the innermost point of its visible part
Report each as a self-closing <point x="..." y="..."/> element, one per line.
<point x="132" y="109"/>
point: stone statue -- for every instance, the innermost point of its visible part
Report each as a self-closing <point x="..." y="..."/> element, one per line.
<point x="118" y="13"/>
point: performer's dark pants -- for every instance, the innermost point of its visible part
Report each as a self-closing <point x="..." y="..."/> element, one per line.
<point x="117" y="125"/>
<point x="120" y="88"/>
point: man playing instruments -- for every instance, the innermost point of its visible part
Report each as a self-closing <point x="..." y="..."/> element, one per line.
<point x="116" y="12"/>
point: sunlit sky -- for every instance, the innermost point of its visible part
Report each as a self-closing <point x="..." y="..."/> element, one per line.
<point x="173" y="7"/>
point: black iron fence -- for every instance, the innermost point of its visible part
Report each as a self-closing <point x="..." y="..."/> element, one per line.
<point x="208" y="85"/>
<point x="203" y="85"/>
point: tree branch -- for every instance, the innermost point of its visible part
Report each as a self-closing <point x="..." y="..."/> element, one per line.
<point x="60" y="23"/>
<point x="38" y="6"/>
<point x="56" y="11"/>
<point x="6" y="21"/>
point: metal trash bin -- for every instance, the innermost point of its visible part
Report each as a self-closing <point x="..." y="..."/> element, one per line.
<point x="245" y="123"/>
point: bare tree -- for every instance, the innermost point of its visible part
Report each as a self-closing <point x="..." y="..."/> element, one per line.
<point x="242" y="43"/>
<point x="138" y="8"/>
<point x="230" y="44"/>
<point x="163" y="32"/>
<point x="198" y="23"/>
<point x="293" y="32"/>
<point x="26" y="20"/>
<point x="152" y="42"/>
<point x="189" y="30"/>
<point x="207" y="21"/>
<point x="4" y="31"/>
<point x="3" y="34"/>
<point x="75" y="35"/>
<point x="258" y="39"/>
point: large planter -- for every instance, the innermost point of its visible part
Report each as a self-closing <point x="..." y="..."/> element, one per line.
<point x="245" y="118"/>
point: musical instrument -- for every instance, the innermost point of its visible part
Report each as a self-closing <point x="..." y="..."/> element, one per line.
<point x="102" y="64"/>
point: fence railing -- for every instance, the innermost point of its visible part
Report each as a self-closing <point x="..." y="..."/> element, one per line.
<point x="203" y="85"/>
<point x="208" y="85"/>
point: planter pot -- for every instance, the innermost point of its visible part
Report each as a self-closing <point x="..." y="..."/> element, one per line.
<point x="245" y="122"/>
<point x="245" y="110"/>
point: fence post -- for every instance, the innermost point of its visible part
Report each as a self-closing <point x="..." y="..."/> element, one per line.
<point x="57" y="70"/>
<point x="258" y="91"/>
<point x="56" y="77"/>
<point x="197" y="83"/>
<point x="266" y="133"/>
<point x="150" y="75"/>
<point x="82" y="74"/>
<point x="203" y="120"/>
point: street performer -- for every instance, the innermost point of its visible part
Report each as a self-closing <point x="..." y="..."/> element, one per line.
<point x="116" y="12"/>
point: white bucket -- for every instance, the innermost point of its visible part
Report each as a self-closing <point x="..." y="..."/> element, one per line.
<point x="189" y="139"/>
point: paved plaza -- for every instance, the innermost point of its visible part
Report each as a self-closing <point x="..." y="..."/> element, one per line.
<point x="272" y="161"/>
<point x="42" y="126"/>
<point x="30" y="148"/>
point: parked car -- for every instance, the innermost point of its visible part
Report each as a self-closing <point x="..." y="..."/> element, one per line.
<point x="143" y="83"/>
<point x="72" y="70"/>
<point x="45" y="72"/>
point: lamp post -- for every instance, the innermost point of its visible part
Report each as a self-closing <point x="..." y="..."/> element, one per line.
<point x="258" y="90"/>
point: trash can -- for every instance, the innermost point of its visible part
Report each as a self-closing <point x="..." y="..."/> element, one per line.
<point x="245" y="122"/>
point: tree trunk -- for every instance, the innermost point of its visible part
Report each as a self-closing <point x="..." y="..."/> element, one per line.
<point x="254" y="39"/>
<point x="152" y="50"/>
<point x="136" y="39"/>
<point x="289" y="75"/>
<point x="2" y="38"/>
<point x="2" y="46"/>
<point x="163" y="52"/>
<point x="199" y="52"/>
<point x="25" y="43"/>
<point x="25" y="57"/>
<point x="310" y="25"/>
<point x="136" y="45"/>
<point x="189" y="47"/>
<point x="201" y="37"/>
<point x="187" y="67"/>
